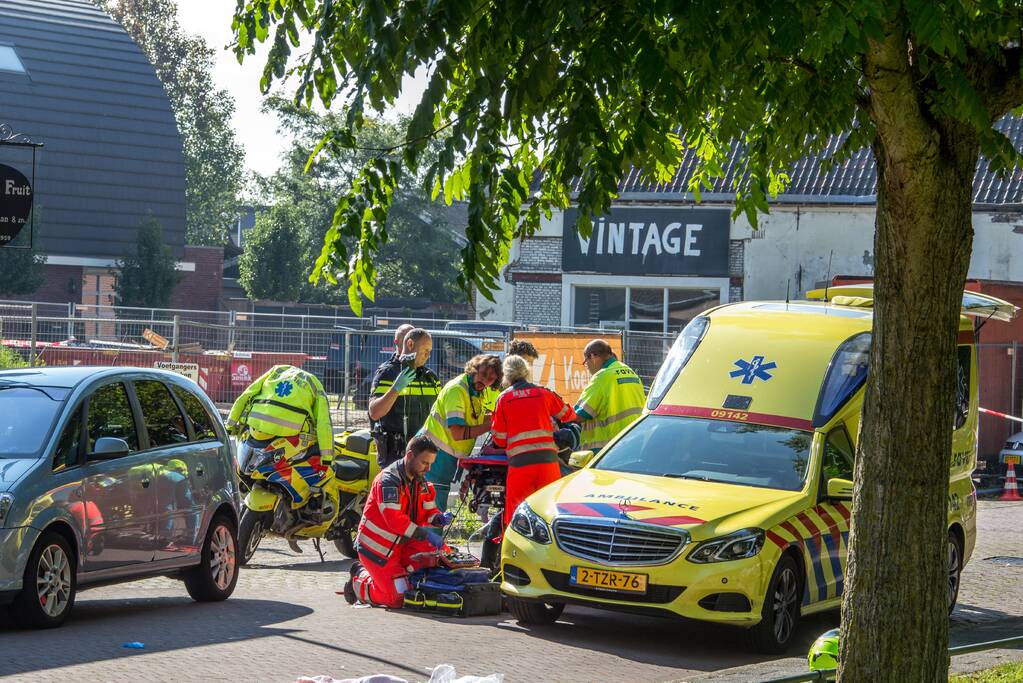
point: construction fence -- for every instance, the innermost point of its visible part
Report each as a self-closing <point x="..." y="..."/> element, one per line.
<point x="225" y="351"/>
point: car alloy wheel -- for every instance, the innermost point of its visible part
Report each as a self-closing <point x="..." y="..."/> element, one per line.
<point x="785" y="599"/>
<point x="222" y="558"/>
<point x="53" y="580"/>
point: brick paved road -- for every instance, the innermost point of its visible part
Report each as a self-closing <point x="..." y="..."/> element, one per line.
<point x="285" y="621"/>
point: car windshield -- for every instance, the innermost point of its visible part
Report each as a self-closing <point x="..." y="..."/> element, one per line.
<point x="26" y="417"/>
<point x="712" y="450"/>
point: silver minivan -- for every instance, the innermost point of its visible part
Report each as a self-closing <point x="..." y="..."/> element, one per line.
<point x="110" y="475"/>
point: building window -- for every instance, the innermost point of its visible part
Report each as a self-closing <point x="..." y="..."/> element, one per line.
<point x="9" y="60"/>
<point x="664" y="310"/>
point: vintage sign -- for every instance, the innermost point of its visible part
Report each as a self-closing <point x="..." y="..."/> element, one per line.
<point x="649" y="241"/>
<point x="15" y="203"/>
<point x="189" y="370"/>
<point x="560" y="366"/>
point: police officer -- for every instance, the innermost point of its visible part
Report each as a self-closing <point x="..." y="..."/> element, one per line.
<point x="403" y="392"/>
<point x="458" y="418"/>
<point x="612" y="400"/>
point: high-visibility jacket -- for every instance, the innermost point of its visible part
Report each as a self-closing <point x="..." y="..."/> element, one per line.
<point x="399" y="508"/>
<point x="457" y="404"/>
<point x="413" y="405"/>
<point x="522" y="421"/>
<point x="283" y="402"/>
<point x="612" y="401"/>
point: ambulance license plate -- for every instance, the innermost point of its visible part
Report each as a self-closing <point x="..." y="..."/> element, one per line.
<point x="607" y="580"/>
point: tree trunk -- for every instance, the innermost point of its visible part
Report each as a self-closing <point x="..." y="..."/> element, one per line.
<point x="894" y="616"/>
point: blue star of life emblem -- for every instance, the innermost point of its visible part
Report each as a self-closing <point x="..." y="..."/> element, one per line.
<point x="283" y="389"/>
<point x="752" y="370"/>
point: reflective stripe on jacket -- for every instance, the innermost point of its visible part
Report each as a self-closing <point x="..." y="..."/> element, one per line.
<point x="522" y="419"/>
<point x="283" y="402"/>
<point x="398" y="508"/>
<point x="612" y="401"/>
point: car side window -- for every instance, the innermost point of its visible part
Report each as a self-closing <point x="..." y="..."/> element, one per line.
<point x="838" y="458"/>
<point x="164" y="422"/>
<point x="964" y="356"/>
<point x="202" y="421"/>
<point x="110" y="415"/>
<point x="70" y="443"/>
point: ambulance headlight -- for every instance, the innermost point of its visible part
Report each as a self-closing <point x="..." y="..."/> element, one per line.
<point x="737" y="546"/>
<point x="681" y="351"/>
<point x="531" y="525"/>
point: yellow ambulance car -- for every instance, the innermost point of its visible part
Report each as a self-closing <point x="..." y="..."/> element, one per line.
<point x="728" y="500"/>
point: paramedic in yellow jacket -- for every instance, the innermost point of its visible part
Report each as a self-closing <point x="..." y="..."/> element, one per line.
<point x="612" y="400"/>
<point x="286" y="401"/>
<point x="460" y="415"/>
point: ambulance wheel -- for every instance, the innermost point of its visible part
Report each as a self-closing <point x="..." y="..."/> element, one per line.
<point x="780" y="614"/>
<point x="955" y="568"/>
<point x="345" y="544"/>
<point x="251" y="529"/>
<point x="528" y="612"/>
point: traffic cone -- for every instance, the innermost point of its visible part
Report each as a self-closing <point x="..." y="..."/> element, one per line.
<point x="1010" y="492"/>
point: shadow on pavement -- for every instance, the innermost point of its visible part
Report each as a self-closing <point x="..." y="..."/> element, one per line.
<point x="651" y="640"/>
<point x="339" y="567"/>
<point x="97" y="630"/>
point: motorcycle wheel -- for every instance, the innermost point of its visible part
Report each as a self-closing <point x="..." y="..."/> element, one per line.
<point x="345" y="544"/>
<point x="251" y="529"/>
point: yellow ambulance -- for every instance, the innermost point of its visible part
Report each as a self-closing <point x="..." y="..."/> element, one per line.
<point x="728" y="500"/>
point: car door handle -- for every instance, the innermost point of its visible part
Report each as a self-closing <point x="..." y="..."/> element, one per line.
<point x="145" y="483"/>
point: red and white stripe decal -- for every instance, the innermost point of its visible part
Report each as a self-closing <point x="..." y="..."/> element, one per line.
<point x="736" y="416"/>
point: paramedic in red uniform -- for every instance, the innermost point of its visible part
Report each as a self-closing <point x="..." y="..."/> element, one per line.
<point x="523" y="426"/>
<point x="400" y="520"/>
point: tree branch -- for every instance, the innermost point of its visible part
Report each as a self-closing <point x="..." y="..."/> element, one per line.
<point x="999" y="83"/>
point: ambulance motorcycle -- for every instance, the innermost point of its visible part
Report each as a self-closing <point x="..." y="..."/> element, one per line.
<point x="293" y="495"/>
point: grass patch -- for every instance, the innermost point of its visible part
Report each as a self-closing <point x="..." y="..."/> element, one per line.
<point x="1006" y="673"/>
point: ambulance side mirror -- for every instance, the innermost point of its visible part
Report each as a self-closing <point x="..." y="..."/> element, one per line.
<point x="840" y="489"/>
<point x="580" y="459"/>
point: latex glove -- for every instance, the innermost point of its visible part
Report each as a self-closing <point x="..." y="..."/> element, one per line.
<point x="434" y="539"/>
<point x="443" y="518"/>
<point x="403" y="380"/>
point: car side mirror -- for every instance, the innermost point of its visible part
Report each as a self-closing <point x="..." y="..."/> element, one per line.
<point x="108" y="448"/>
<point x="840" y="489"/>
<point x="580" y="459"/>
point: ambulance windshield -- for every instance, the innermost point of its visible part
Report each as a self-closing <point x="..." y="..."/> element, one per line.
<point x="712" y="450"/>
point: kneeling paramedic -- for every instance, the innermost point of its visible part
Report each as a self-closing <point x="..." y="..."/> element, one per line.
<point x="399" y="521"/>
<point x="524" y="423"/>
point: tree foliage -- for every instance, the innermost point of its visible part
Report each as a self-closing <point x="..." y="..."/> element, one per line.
<point x="148" y="277"/>
<point x="213" y="157"/>
<point x="545" y="102"/>
<point x="21" y="271"/>
<point x="421" y="254"/>
<point x="273" y="263"/>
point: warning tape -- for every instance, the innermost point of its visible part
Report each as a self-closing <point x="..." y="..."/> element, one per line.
<point x="1002" y="415"/>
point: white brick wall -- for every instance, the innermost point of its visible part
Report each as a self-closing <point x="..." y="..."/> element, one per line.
<point x="538" y="303"/>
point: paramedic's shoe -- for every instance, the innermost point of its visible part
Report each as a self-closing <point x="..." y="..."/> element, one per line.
<point x="350" y="593"/>
<point x="355" y="569"/>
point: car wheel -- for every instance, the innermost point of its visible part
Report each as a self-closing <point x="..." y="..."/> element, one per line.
<point x="50" y="583"/>
<point x="345" y="544"/>
<point x="780" y="614"/>
<point x="216" y="575"/>
<point x="251" y="529"/>
<point x="529" y="612"/>
<point x="955" y="569"/>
